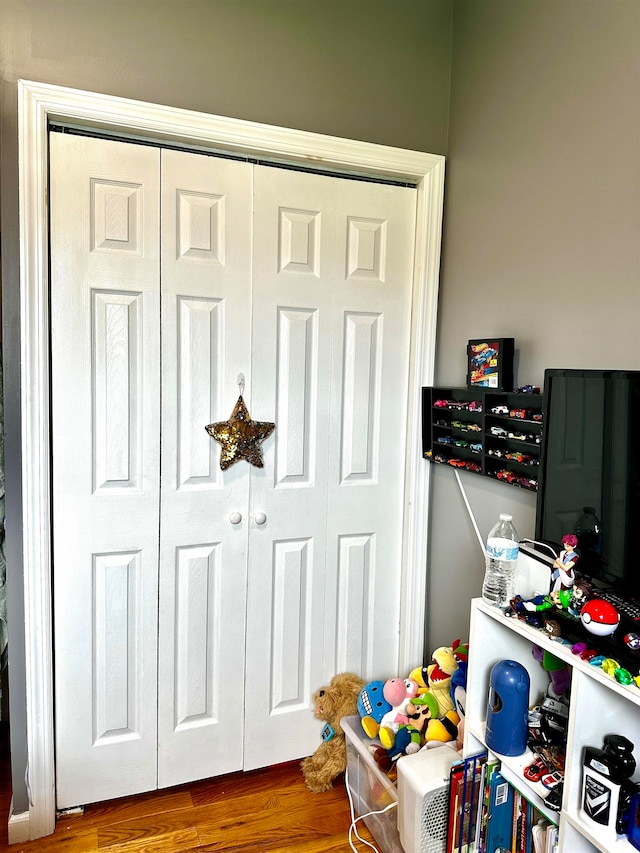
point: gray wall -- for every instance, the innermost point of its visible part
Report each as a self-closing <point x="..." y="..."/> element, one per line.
<point x="542" y="228"/>
<point x="375" y="70"/>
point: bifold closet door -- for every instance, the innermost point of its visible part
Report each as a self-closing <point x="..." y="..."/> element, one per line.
<point x="105" y="412"/>
<point x="206" y="344"/>
<point x="195" y="610"/>
<point x="332" y="284"/>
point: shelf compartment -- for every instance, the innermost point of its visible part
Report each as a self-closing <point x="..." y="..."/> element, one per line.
<point x="599" y="706"/>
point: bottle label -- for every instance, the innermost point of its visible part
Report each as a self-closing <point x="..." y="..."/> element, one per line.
<point x="596" y="798"/>
<point x="502" y="549"/>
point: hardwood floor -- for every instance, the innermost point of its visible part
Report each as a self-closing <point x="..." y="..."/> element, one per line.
<point x="263" y="810"/>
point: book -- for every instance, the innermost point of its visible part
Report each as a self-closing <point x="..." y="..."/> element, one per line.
<point x="500" y="814"/>
<point x="455" y="775"/>
<point x="483" y="804"/>
<point x="464" y="803"/>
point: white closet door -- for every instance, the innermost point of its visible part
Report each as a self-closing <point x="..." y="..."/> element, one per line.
<point x="206" y="340"/>
<point x="105" y="414"/>
<point x="330" y="343"/>
<point x="270" y="580"/>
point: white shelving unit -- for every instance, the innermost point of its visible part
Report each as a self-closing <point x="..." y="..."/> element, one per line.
<point x="599" y="706"/>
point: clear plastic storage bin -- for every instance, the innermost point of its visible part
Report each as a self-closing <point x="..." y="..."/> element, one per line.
<point x="371" y="789"/>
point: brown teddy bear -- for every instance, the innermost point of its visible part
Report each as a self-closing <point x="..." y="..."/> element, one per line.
<point x="332" y="703"/>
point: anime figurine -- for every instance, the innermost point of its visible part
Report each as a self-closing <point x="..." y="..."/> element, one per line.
<point x="580" y="594"/>
<point x="563" y="571"/>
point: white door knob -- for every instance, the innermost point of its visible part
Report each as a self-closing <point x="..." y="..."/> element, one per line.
<point x="260" y="518"/>
<point x="235" y="518"/>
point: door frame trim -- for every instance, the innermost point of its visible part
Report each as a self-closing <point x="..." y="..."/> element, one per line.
<point x="39" y="104"/>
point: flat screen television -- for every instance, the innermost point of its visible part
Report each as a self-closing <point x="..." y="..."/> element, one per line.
<point x="591" y="458"/>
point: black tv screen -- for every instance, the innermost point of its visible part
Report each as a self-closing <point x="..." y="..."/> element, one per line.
<point x="590" y="458"/>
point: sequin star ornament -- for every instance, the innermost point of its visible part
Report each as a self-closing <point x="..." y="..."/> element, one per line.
<point x="240" y="437"/>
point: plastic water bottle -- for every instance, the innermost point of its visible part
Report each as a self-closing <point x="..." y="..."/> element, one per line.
<point x="588" y="530"/>
<point x="501" y="560"/>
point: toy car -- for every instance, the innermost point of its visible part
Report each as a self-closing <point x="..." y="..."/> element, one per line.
<point x="482" y="357"/>
<point x="473" y="466"/>
<point x="516" y="456"/>
<point x="519" y="436"/>
<point x="457" y="463"/>
<point x="460" y="442"/>
<point x="496" y="452"/>
<point x="474" y="427"/>
<point x="554" y="798"/>
<point x="475" y="406"/>
<point x="528" y="483"/>
<point x="475" y="447"/>
<point x="499" y="431"/>
<point x="457" y="425"/>
<point x="509" y="476"/>
<point x="442" y="404"/>
<point x="550" y="780"/>
<point x="519" y="413"/>
<point x="458" y="404"/>
<point x="499" y="410"/>
<point x="527" y="389"/>
<point x="536" y="770"/>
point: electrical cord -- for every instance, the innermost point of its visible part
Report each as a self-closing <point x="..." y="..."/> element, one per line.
<point x="353" y="831"/>
<point x="475" y="525"/>
<point x="542" y="545"/>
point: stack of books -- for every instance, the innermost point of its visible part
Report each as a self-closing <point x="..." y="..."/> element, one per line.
<point x="488" y="815"/>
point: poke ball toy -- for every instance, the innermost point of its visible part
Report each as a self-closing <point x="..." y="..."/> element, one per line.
<point x="599" y="617"/>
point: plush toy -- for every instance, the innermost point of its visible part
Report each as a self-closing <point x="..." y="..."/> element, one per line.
<point x="442" y="730"/>
<point x="439" y="674"/>
<point x="407" y="741"/>
<point x="422" y="710"/>
<point x="339" y="699"/>
<point x="372" y="706"/>
<point x="421" y="677"/>
<point x="559" y="673"/>
<point x="398" y="692"/>
<point x="424" y="715"/>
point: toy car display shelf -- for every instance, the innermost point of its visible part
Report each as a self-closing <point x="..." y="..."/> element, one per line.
<point x="495" y="433"/>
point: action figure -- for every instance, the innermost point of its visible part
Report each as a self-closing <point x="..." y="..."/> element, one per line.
<point x="563" y="574"/>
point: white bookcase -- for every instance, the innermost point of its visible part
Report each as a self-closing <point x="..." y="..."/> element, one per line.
<point x="599" y="706"/>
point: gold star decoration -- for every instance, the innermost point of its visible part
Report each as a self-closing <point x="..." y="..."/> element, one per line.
<point x="240" y="437"/>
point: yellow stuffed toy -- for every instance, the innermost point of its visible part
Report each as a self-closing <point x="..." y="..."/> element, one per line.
<point x="439" y="676"/>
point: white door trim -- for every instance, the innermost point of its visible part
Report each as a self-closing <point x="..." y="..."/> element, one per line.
<point x="38" y="105"/>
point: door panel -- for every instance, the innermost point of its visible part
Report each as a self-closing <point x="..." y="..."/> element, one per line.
<point x="105" y="381"/>
<point x="370" y="330"/>
<point x="206" y="308"/>
<point x="332" y="293"/>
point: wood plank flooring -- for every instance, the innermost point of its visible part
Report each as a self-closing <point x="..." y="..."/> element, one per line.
<point x="263" y="810"/>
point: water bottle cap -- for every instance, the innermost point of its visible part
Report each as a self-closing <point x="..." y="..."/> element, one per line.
<point x="504" y="516"/>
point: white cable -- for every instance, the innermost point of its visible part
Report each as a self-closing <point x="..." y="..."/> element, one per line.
<point x="542" y="545"/>
<point x="470" y="511"/>
<point x="354" y="820"/>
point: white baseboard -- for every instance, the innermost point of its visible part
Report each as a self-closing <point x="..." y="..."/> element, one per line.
<point x="18" y="827"/>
